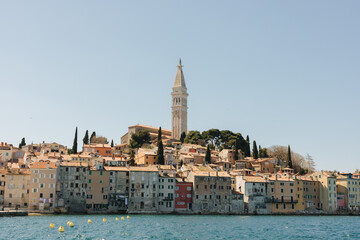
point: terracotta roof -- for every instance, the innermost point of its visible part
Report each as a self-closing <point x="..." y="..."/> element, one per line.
<point x="145" y="126"/>
<point x="211" y="174"/>
<point x="74" y="164"/>
<point x="254" y="179"/>
<point x="117" y="169"/>
<point x="144" y="169"/>
<point x="43" y="165"/>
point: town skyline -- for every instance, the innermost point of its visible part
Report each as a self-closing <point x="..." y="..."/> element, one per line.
<point x="258" y="75"/>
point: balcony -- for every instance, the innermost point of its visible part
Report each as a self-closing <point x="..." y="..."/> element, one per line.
<point x="276" y="200"/>
<point x="168" y="199"/>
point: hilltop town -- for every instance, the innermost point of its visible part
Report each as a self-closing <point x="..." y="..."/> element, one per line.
<point x="159" y="171"/>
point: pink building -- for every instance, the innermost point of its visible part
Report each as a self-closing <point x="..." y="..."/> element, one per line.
<point x="341" y="202"/>
<point x="183" y="195"/>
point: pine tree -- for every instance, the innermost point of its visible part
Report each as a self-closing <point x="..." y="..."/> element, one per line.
<point x="160" y="151"/>
<point x="255" y="150"/>
<point x="86" y="137"/>
<point x="208" y="154"/>
<point x="74" y="148"/>
<point x="112" y="143"/>
<point x="182" y="137"/>
<point x="289" y="161"/>
<point x="248" y="152"/>
<point x="93" y="135"/>
<point x="22" y="143"/>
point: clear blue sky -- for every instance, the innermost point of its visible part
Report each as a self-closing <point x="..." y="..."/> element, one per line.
<point x="283" y="72"/>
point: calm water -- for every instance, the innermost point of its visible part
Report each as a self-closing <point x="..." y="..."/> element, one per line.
<point x="181" y="227"/>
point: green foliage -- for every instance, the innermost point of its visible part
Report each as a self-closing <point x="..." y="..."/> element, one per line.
<point x="208" y="155"/>
<point x="74" y="148"/>
<point x="193" y="137"/>
<point x="212" y="136"/>
<point x="93" y="136"/>
<point x="139" y="138"/>
<point x="112" y="143"/>
<point x="22" y="143"/>
<point x="263" y="152"/>
<point x="289" y="161"/>
<point x="182" y="137"/>
<point x="132" y="158"/>
<point x="160" y="151"/>
<point x="247" y="147"/>
<point x="236" y="150"/>
<point x="181" y="163"/>
<point x="100" y="140"/>
<point x="86" y="137"/>
<point x="255" y="150"/>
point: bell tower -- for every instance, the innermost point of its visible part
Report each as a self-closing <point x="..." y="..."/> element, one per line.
<point x="179" y="104"/>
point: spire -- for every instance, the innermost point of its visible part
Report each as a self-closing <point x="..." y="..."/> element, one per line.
<point x="179" y="79"/>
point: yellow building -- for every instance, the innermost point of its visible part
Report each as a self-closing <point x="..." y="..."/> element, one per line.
<point x="327" y="190"/>
<point x="351" y="188"/>
<point x="282" y="194"/>
<point x="97" y="198"/>
<point x="146" y="158"/>
<point x="17" y="188"/>
<point x="42" y="185"/>
<point x="307" y="193"/>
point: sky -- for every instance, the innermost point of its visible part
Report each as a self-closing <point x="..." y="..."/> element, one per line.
<point x="282" y="72"/>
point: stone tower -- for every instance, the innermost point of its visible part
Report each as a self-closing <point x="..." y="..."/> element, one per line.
<point x="179" y="104"/>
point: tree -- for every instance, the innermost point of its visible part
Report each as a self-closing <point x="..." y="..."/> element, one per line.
<point x="263" y="152"/>
<point x="160" y="151"/>
<point x="193" y="137"/>
<point x="181" y="163"/>
<point x="132" y="158"/>
<point x="139" y="138"/>
<point x="247" y="151"/>
<point x="309" y="163"/>
<point x="208" y="154"/>
<point x="182" y="137"/>
<point x="86" y="137"/>
<point x="99" y="140"/>
<point x="112" y="143"/>
<point x="255" y="150"/>
<point x="236" y="151"/>
<point x="212" y="136"/>
<point x="93" y="136"/>
<point x="74" y="148"/>
<point x="22" y="143"/>
<point x="289" y="162"/>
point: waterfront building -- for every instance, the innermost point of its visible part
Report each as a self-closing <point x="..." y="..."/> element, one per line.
<point x="327" y="190"/>
<point x="166" y="192"/>
<point x="350" y="189"/>
<point x="2" y="185"/>
<point x="256" y="193"/>
<point x="179" y="104"/>
<point x="71" y="186"/>
<point x="97" y="193"/>
<point x="17" y="188"/>
<point x="307" y="190"/>
<point x="183" y="195"/>
<point x="237" y="203"/>
<point x="283" y="194"/>
<point x="118" y="188"/>
<point x="143" y="183"/>
<point x="212" y="191"/>
<point x="42" y="185"/>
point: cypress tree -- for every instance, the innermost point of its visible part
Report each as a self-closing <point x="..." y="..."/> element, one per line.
<point x="208" y="154"/>
<point x="132" y="158"/>
<point x="86" y="137"/>
<point x="182" y="137"/>
<point x="112" y="143"/>
<point x="255" y="150"/>
<point x="248" y="152"/>
<point x="289" y="161"/>
<point x="22" y="143"/>
<point x="260" y="152"/>
<point x="236" y="150"/>
<point x="93" y="135"/>
<point x="160" y="151"/>
<point x="74" y="148"/>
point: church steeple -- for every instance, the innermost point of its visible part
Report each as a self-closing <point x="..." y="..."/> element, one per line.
<point x="179" y="79"/>
<point x="179" y="104"/>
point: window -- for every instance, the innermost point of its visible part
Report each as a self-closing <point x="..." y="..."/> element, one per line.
<point x="90" y="172"/>
<point x="105" y="196"/>
<point x="176" y="188"/>
<point x="41" y="185"/>
<point x="89" y="180"/>
<point x="34" y="190"/>
<point x="188" y="195"/>
<point x="188" y="188"/>
<point x="41" y="195"/>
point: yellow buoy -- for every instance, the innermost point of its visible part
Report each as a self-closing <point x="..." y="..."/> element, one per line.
<point x="128" y="217"/>
<point x="122" y="218"/>
<point x="61" y="229"/>
<point x="52" y="225"/>
<point x="71" y="224"/>
<point x="104" y="219"/>
<point x="116" y="219"/>
<point x="89" y="221"/>
<point x="68" y="222"/>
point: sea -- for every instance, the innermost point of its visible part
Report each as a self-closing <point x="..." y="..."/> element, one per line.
<point x="180" y="227"/>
